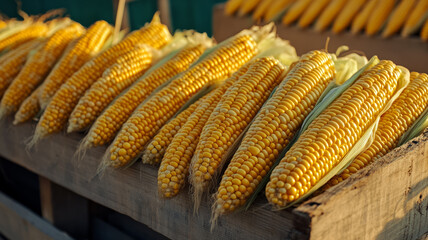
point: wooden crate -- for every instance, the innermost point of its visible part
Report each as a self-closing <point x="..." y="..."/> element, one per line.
<point x="409" y="52"/>
<point x="387" y="200"/>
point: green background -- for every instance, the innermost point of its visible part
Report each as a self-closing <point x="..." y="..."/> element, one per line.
<point x="185" y="14"/>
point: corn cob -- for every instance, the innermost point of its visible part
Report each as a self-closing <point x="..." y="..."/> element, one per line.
<point x="273" y="128"/>
<point x="234" y="112"/>
<point x="175" y="164"/>
<point x="127" y="68"/>
<point x="65" y="99"/>
<point x="378" y="16"/>
<point x="360" y="21"/>
<point x="332" y="134"/>
<point x="393" y="123"/>
<point x="108" y="124"/>
<point x="248" y="6"/>
<point x="155" y="150"/>
<point x="424" y="31"/>
<point x="15" y="59"/>
<point x="36" y="30"/>
<point x="416" y="18"/>
<point x="262" y="8"/>
<point x="37" y="67"/>
<point x="150" y="117"/>
<point x="346" y="15"/>
<point x="295" y="11"/>
<point x="276" y="7"/>
<point x="232" y="6"/>
<point x="398" y="17"/>
<point x="329" y="14"/>
<point x="312" y="12"/>
<point x="79" y="53"/>
<point x="28" y="109"/>
<point x="3" y="24"/>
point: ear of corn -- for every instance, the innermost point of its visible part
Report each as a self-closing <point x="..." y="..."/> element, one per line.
<point x="295" y="11"/>
<point x="392" y="125"/>
<point x="232" y="6"/>
<point x="127" y="68"/>
<point x="13" y="62"/>
<point x="112" y="119"/>
<point x="37" y="67"/>
<point x="248" y="6"/>
<point x="416" y="18"/>
<point x="330" y="13"/>
<point x="215" y="66"/>
<point x="29" y="108"/>
<point x="345" y="16"/>
<point x="312" y="12"/>
<point x="233" y="113"/>
<point x="273" y="128"/>
<point x="398" y="17"/>
<point x="424" y="31"/>
<point x="262" y="8"/>
<point x="379" y="15"/>
<point x="13" y="27"/>
<point x="78" y="54"/>
<point x="334" y="134"/>
<point x="360" y="21"/>
<point x="276" y="8"/>
<point x="36" y="30"/>
<point x="65" y="99"/>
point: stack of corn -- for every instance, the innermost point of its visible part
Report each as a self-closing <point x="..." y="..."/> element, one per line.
<point x="385" y="17"/>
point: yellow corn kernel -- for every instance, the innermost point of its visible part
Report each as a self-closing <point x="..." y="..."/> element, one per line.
<point x="28" y="109"/>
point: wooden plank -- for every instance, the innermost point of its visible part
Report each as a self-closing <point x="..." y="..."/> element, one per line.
<point x="408" y="52"/>
<point x="64" y="209"/>
<point x="17" y="222"/>
<point x="133" y="191"/>
<point x="388" y="200"/>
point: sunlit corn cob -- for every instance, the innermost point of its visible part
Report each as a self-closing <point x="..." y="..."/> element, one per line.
<point x="415" y="18"/>
<point x="28" y="109"/>
<point x="232" y="6"/>
<point x="329" y="14"/>
<point x="295" y="11"/>
<point x="234" y="112"/>
<point x="111" y="120"/>
<point x="175" y="164"/>
<point x="155" y="150"/>
<point x="378" y="16"/>
<point x="13" y="62"/>
<point x="262" y="8"/>
<point x="127" y="68"/>
<point x="248" y="6"/>
<point x="393" y="123"/>
<point x="65" y="99"/>
<point x="346" y="15"/>
<point x="151" y="116"/>
<point x="332" y="134"/>
<point x="398" y="17"/>
<point x="36" y="30"/>
<point x="276" y="7"/>
<point x="3" y="24"/>
<point x="424" y="31"/>
<point x="360" y="21"/>
<point x="312" y="12"/>
<point x="37" y="67"/>
<point x="78" y="54"/>
<point x="273" y="128"/>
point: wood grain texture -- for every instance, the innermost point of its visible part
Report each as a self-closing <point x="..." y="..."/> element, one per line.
<point x="408" y="52"/>
<point x="133" y="191"/>
<point x="17" y="222"/>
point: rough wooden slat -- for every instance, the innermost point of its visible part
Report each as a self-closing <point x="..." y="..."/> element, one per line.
<point x="388" y="200"/>
<point x="17" y="222"/>
<point x="133" y="191"/>
<point x="404" y="51"/>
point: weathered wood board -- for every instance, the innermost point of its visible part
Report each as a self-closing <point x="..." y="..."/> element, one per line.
<point x="387" y="200"/>
<point x="17" y="222"/>
<point x="409" y="52"/>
